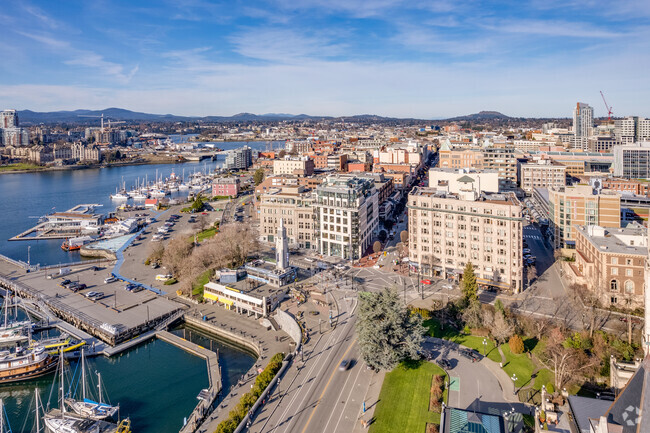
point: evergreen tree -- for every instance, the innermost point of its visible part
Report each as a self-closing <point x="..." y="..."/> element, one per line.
<point x="388" y="334"/>
<point x="468" y="285"/>
<point x="258" y="176"/>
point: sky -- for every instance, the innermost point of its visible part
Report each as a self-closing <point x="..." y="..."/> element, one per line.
<point x="400" y="58"/>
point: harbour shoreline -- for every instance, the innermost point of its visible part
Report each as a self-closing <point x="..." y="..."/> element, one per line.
<point x="90" y="166"/>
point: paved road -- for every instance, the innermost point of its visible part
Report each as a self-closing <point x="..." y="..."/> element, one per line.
<point x="316" y="396"/>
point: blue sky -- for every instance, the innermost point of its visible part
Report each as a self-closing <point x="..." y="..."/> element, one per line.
<point x="426" y="59"/>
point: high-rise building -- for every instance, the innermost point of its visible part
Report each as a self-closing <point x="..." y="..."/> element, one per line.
<point x="632" y="129"/>
<point x="583" y="120"/>
<point x="348" y="215"/>
<point x="239" y="159"/>
<point x="632" y="161"/>
<point x="8" y="119"/>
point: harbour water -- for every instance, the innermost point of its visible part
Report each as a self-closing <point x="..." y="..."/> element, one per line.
<point x="24" y="197"/>
<point x="155" y="383"/>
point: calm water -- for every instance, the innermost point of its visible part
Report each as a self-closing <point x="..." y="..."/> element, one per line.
<point x="28" y="195"/>
<point x="155" y="384"/>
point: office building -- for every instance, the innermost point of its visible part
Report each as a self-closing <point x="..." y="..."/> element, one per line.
<point x="448" y="229"/>
<point x="348" y="215"/>
<point x="504" y="162"/>
<point x="239" y="159"/>
<point x="581" y="205"/>
<point x="632" y="161"/>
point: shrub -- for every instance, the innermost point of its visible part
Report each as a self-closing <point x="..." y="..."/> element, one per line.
<point x="435" y="398"/>
<point x="170" y="282"/>
<point x="550" y="388"/>
<point x="516" y="344"/>
<point x="542" y="416"/>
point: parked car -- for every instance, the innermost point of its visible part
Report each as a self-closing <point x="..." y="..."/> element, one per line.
<point x="163" y="277"/>
<point x="427" y="282"/>
<point x="65" y="283"/>
<point x="137" y="289"/>
<point x="470" y="354"/>
<point x="94" y="295"/>
<point x="109" y="279"/>
<point x="444" y="363"/>
<point x="526" y="250"/>
<point x="129" y="287"/>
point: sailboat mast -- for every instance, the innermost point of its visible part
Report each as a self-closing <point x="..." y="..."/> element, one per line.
<point x="38" y="414"/>
<point x="83" y="375"/>
<point x="4" y="304"/>
<point x="2" y="414"/>
<point x="62" y="387"/>
<point x="99" y="385"/>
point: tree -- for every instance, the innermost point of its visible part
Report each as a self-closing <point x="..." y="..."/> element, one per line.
<point x="382" y="235"/>
<point x="176" y="252"/>
<point x="516" y="344"/>
<point x="531" y="272"/>
<point x="376" y="247"/>
<point x="282" y="154"/>
<point x="473" y="314"/>
<point x="202" y="222"/>
<point x="468" y="285"/>
<point x="501" y="328"/>
<point x="388" y="334"/>
<point x="388" y="224"/>
<point x="404" y="236"/>
<point x="258" y="176"/>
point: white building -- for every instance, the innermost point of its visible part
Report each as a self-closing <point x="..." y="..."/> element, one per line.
<point x="441" y="178"/>
<point x="583" y="120"/>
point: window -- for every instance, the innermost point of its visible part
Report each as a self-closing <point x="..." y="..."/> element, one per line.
<point x="613" y="285"/>
<point x="629" y="272"/>
<point x="629" y="287"/>
<point x="614" y="271"/>
<point x="614" y="260"/>
<point x="628" y="262"/>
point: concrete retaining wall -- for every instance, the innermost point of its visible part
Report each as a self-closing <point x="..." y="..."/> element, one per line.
<point x="227" y="335"/>
<point x="289" y="325"/>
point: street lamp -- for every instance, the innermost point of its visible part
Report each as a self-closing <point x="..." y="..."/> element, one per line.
<point x="484" y="346"/>
<point x="514" y="384"/>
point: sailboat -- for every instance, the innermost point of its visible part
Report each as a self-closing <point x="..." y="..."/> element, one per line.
<point x="12" y="332"/>
<point x="62" y="421"/>
<point x="87" y="407"/>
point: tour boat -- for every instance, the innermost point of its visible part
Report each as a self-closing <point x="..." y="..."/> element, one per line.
<point x="23" y="364"/>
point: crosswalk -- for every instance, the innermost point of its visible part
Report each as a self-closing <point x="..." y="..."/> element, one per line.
<point x="538" y="237"/>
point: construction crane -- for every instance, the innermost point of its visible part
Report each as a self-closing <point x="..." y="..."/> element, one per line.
<point x="102" y="117"/>
<point x="609" y="109"/>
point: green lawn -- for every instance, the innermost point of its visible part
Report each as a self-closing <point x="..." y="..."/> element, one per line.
<point x="404" y="399"/>
<point x="521" y="365"/>
<point x="19" y="166"/>
<point x="471" y="341"/>
<point x="544" y="377"/>
<point x="197" y="286"/>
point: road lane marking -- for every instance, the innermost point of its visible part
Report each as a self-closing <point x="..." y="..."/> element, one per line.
<point x="336" y="367"/>
<point x="346" y="400"/>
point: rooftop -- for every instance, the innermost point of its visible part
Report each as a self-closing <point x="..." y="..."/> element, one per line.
<point x="626" y="240"/>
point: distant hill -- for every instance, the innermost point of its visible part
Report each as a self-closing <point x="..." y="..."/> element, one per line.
<point x="85" y="116"/>
<point x="480" y="116"/>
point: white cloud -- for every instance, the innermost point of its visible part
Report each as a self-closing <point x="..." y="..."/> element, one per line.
<point x="552" y="28"/>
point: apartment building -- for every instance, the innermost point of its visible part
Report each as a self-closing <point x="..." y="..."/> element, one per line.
<point x="542" y="176"/>
<point x="448" y="229"/>
<point x="295" y="205"/>
<point x="632" y="161"/>
<point x="348" y="215"/>
<point x="581" y="205"/>
<point x="632" y="129"/>
<point x="460" y="158"/>
<point x="503" y="161"/>
<point x="611" y="263"/>
<point x="298" y="166"/>
<point x="629" y="186"/>
<point x="239" y="159"/>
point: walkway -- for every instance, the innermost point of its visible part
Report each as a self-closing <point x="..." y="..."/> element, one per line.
<point x="119" y="254"/>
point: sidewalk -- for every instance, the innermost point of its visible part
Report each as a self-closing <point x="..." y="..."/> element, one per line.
<point x="371" y="399"/>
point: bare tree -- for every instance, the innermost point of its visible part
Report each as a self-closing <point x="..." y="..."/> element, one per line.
<point x="404" y="236"/>
<point x="588" y="304"/>
<point x="156" y="252"/>
<point x="376" y="247"/>
<point x="202" y="222"/>
<point x="176" y="253"/>
<point x="501" y="328"/>
<point x="565" y="362"/>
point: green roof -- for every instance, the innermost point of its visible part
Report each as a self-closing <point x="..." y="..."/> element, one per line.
<point x="465" y="179"/>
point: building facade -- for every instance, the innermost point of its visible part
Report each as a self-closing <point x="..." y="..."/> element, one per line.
<point x="542" y="176"/>
<point x="611" y="262"/>
<point x="632" y="161"/>
<point x="581" y="205"/>
<point x="447" y="230"/>
<point x="583" y="120"/>
<point x="294" y="204"/>
<point x="239" y="159"/>
<point x="297" y="166"/>
<point x="347" y="214"/>
<point x="226" y="186"/>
